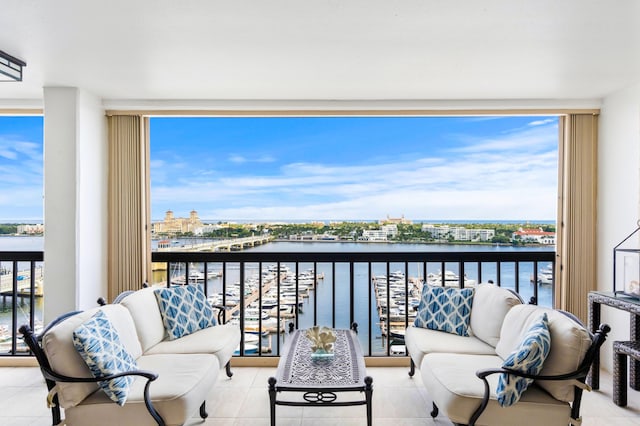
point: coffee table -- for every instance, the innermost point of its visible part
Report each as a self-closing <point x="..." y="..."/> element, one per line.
<point x="321" y="381"/>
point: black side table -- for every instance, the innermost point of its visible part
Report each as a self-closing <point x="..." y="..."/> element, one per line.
<point x="624" y="303"/>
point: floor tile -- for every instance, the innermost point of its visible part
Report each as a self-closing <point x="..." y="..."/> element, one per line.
<point x="244" y="401"/>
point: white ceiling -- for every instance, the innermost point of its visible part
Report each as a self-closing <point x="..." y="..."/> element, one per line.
<point x="323" y="49"/>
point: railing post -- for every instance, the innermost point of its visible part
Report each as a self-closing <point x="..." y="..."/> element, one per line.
<point x="352" y="294"/>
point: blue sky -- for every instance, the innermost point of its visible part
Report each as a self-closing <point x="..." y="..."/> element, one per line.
<point x="336" y="168"/>
<point x="21" y="185"/>
<point x="323" y="168"/>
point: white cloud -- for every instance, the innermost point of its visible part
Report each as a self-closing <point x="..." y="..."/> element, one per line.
<point x="543" y="122"/>
<point x="510" y="176"/>
<point x="475" y="185"/>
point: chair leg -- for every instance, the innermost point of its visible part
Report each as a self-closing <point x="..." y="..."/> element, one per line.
<point x="228" y="369"/>
<point x="55" y="415"/>
<point x="203" y="410"/>
<point x="435" y="411"/>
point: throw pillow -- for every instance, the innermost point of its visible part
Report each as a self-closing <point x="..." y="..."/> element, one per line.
<point x="527" y="358"/>
<point x="97" y="342"/>
<point x="445" y="309"/>
<point x="184" y="310"/>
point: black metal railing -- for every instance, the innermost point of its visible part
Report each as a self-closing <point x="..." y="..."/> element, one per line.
<point x="21" y="283"/>
<point x="375" y="289"/>
<point x="378" y="290"/>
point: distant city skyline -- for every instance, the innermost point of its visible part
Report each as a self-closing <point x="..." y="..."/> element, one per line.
<point x="323" y="168"/>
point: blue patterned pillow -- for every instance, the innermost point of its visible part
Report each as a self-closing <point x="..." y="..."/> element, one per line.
<point x="445" y="309"/>
<point x="97" y="342"/>
<point x="527" y="358"/>
<point x="184" y="310"/>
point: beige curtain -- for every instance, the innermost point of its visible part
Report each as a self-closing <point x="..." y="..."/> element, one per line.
<point x="576" y="244"/>
<point x="129" y="238"/>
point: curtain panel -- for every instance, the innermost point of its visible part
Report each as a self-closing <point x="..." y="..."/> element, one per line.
<point x="129" y="239"/>
<point x="577" y="197"/>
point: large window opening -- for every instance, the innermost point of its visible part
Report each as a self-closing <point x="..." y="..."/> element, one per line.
<point x="350" y="184"/>
<point x="21" y="228"/>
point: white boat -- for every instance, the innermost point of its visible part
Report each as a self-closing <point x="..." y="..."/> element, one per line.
<point x="545" y="276"/>
<point x="451" y="279"/>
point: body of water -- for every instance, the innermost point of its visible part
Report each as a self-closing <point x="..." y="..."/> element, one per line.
<point x="333" y="289"/>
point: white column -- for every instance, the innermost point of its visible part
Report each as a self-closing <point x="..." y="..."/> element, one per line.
<point x="75" y="176"/>
<point x="618" y="196"/>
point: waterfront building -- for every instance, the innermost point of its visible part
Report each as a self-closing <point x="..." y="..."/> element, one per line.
<point x="374" y="235"/>
<point x="395" y="220"/>
<point x="459" y="233"/>
<point x="31" y="229"/>
<point x="390" y="230"/>
<point x="534" y="235"/>
<point x="178" y="225"/>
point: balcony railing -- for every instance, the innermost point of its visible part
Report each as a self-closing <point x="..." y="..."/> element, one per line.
<point x="21" y="284"/>
<point x="377" y="290"/>
<point x="270" y="294"/>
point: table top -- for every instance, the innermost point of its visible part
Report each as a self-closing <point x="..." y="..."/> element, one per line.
<point x="618" y="300"/>
<point x="297" y="369"/>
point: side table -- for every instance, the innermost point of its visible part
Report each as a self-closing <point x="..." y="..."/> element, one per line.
<point x="624" y="303"/>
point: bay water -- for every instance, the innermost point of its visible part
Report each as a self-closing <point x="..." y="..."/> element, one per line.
<point x="335" y="289"/>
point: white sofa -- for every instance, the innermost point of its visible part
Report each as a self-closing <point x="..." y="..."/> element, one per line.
<point x="461" y="373"/>
<point x="174" y="376"/>
<point x="490" y="304"/>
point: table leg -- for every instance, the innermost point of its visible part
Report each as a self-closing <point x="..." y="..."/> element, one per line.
<point x="620" y="379"/>
<point x="368" y="392"/>
<point x="272" y="399"/>
<point x="634" y="366"/>
<point x="593" y="379"/>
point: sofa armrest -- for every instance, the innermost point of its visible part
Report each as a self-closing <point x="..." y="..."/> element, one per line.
<point x="148" y="375"/>
<point x="222" y="313"/>
<point x="579" y="375"/>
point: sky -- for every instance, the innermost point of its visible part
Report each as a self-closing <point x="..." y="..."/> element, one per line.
<point x="355" y="168"/>
<point x="21" y="165"/>
<point x="322" y="168"/>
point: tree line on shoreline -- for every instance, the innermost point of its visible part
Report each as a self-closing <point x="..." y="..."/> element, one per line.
<point x="353" y="231"/>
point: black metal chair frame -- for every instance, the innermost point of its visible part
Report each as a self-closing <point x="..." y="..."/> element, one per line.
<point x="34" y="342"/>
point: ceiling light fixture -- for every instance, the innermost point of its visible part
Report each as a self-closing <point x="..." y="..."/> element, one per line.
<point x="10" y="67"/>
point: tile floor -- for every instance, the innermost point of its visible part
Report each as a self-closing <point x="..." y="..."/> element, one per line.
<point x="243" y="400"/>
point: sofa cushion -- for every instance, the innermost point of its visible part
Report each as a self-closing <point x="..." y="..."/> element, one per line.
<point x="445" y="309"/>
<point x="184" y="381"/>
<point x="184" y="310"/>
<point x="528" y="358"/>
<point x="490" y="304"/>
<point x="65" y="359"/>
<point x="143" y="307"/>
<point x="221" y="341"/>
<point x="98" y="343"/>
<point x="569" y="344"/>
<point x="452" y="383"/>
<point x="421" y="341"/>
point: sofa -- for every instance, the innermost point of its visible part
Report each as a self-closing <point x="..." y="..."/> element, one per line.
<point x="512" y="364"/>
<point x="166" y="376"/>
